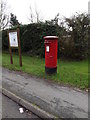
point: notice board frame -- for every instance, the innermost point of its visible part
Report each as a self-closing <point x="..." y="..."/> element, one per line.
<point x="18" y="47"/>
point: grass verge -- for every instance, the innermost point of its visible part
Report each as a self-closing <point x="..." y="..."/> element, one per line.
<point x="74" y="73"/>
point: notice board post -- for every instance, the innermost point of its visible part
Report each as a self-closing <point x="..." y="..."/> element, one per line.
<point x="14" y="42"/>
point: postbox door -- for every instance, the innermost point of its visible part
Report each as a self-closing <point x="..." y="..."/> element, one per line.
<point x="53" y="54"/>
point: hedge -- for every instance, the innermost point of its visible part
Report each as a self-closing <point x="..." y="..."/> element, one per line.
<point x="32" y="37"/>
<point x="32" y="40"/>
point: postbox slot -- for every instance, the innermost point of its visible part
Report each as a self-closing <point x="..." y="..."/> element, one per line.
<point x="47" y="42"/>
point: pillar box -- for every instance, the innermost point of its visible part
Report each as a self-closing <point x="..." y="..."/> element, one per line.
<point x="50" y="54"/>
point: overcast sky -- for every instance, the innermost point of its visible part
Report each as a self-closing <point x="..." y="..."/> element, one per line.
<point x="46" y="8"/>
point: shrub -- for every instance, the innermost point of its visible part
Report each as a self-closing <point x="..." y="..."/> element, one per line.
<point x="32" y="37"/>
<point x="76" y="46"/>
<point x="78" y="27"/>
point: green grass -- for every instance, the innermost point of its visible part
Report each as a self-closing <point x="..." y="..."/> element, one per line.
<point x="74" y="73"/>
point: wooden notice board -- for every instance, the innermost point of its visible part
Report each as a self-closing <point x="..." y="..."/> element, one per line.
<point x="14" y="42"/>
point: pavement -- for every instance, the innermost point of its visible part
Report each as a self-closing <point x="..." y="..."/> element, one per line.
<point x="43" y="97"/>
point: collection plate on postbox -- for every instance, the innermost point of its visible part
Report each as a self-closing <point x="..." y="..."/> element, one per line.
<point x="47" y="48"/>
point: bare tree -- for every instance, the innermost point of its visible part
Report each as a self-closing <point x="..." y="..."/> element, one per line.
<point x="34" y="16"/>
<point x="31" y="17"/>
<point x="37" y="15"/>
<point x="4" y="17"/>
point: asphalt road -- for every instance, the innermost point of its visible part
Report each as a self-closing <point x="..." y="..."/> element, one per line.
<point x="61" y="101"/>
<point x="10" y="109"/>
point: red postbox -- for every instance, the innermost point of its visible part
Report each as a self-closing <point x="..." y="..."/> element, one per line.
<point x="51" y="54"/>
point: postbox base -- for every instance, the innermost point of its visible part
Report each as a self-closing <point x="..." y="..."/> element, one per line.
<point x="50" y="70"/>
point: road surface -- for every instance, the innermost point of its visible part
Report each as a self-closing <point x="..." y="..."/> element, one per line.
<point x="10" y="109"/>
<point x="61" y="101"/>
